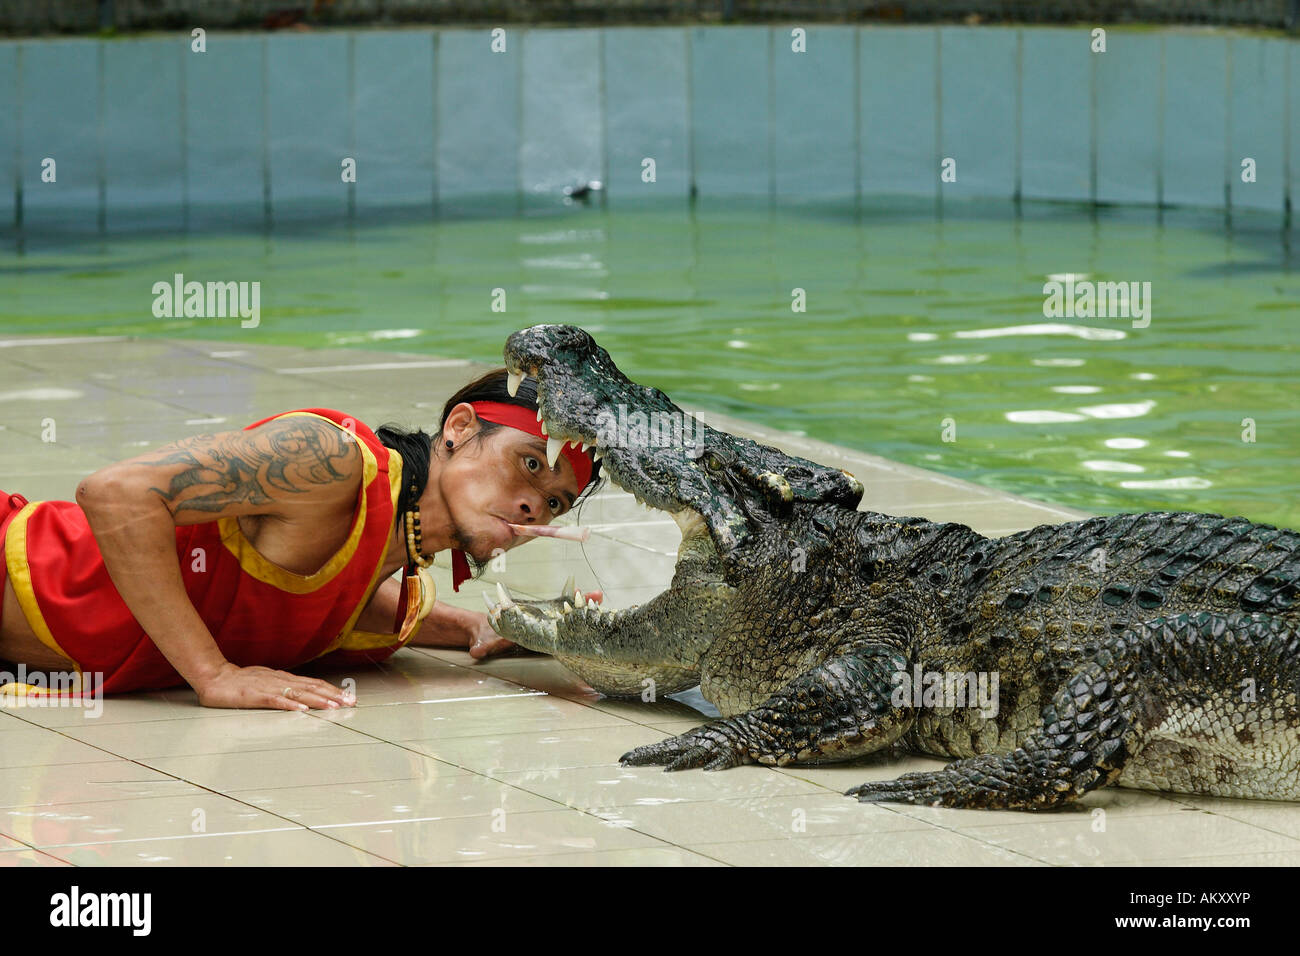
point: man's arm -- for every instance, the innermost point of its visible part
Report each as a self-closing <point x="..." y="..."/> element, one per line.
<point x="288" y="467"/>
<point x="446" y="625"/>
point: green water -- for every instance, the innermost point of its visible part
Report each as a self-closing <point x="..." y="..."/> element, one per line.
<point x="910" y="320"/>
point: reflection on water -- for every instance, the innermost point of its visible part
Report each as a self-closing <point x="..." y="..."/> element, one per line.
<point x="871" y="333"/>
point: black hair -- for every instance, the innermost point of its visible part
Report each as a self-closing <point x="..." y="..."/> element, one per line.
<point x="415" y="445"/>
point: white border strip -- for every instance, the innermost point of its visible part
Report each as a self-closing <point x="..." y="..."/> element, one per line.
<point x="374" y="367"/>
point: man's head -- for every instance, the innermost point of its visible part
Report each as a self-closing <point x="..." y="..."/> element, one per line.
<point x="497" y="473"/>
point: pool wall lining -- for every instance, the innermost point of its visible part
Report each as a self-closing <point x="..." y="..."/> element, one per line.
<point x="253" y="132"/>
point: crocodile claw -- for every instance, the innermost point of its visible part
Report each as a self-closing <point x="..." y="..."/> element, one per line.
<point x="917" y="792"/>
<point x="706" y="748"/>
<point x="959" y="791"/>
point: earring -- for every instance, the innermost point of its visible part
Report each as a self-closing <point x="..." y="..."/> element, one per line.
<point x="448" y="442"/>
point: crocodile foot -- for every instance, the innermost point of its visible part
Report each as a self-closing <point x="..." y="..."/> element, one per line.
<point x="970" y="784"/>
<point x="932" y="789"/>
<point x="1085" y="741"/>
<point x="715" y="746"/>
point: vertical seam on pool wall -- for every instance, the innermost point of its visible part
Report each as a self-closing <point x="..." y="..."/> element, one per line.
<point x="1227" y="128"/>
<point x="938" y="119"/>
<point x="1018" y="189"/>
<point x="436" y="118"/>
<point x="18" y="138"/>
<point x="184" y="100"/>
<point x="1160" y="131"/>
<point x="1093" y="126"/>
<point x="857" y="123"/>
<point x="771" y="115"/>
<point x="1286" y="137"/>
<point x="352" y="124"/>
<point x="601" y="60"/>
<point x="519" y="124"/>
<point x="267" y="213"/>
<point x="688" y="40"/>
<point x="101" y="138"/>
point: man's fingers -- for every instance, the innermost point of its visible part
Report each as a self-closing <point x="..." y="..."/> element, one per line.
<point x="482" y="648"/>
<point x="280" y="702"/>
<point x="319" y="686"/>
<point x="305" y="693"/>
<point x="326" y="689"/>
<point x="315" y="701"/>
<point x="304" y="686"/>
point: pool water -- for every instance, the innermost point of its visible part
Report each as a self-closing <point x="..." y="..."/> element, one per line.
<point x="923" y="337"/>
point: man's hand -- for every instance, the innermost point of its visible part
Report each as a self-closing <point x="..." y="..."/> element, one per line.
<point x="485" y="641"/>
<point x="262" y="687"/>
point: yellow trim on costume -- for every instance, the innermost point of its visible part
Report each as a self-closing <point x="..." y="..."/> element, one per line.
<point x="395" y="468"/>
<point x="368" y="640"/>
<point x="21" y="576"/>
<point x="14" y="693"/>
<point x="257" y="566"/>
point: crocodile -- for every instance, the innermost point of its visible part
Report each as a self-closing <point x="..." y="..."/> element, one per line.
<point x="1157" y="651"/>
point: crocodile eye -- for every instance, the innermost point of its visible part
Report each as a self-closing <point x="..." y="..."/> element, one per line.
<point x="713" y="462"/>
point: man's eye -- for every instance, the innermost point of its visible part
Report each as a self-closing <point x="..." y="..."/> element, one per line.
<point x="555" y="505"/>
<point x="533" y="463"/>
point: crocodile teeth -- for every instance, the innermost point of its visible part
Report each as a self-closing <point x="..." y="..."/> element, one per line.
<point x="553" y="446"/>
<point x="567" y="607"/>
<point x="491" y="605"/>
<point x="504" y="595"/>
<point x="544" y="431"/>
<point x="570" y="584"/>
<point x="591" y="604"/>
<point x="539" y="412"/>
<point x="512" y="382"/>
<point x="577" y="598"/>
<point x="599" y="454"/>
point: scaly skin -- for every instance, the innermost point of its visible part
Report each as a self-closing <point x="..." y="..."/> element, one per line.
<point x="1159" y="651"/>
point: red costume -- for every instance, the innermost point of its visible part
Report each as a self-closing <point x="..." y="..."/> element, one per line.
<point x="258" y="613"/>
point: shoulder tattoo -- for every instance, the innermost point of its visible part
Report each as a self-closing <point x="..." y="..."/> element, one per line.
<point x="289" y="455"/>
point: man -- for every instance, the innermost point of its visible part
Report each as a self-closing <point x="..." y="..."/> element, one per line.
<point x="222" y="561"/>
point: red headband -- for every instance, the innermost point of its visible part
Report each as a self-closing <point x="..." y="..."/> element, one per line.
<point x="516" y="416"/>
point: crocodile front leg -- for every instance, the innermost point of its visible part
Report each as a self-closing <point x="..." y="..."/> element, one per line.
<point x="836" y="711"/>
<point x="1086" y="738"/>
<point x="1200" y="703"/>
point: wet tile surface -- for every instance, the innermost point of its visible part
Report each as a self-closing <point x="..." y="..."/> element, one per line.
<point x="513" y="761"/>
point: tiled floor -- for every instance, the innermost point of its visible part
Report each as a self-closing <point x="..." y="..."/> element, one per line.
<point x="446" y="761"/>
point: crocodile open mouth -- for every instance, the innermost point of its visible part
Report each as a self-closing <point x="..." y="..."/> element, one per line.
<point x="724" y="491"/>
<point x="563" y="425"/>
<point x="666" y="458"/>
